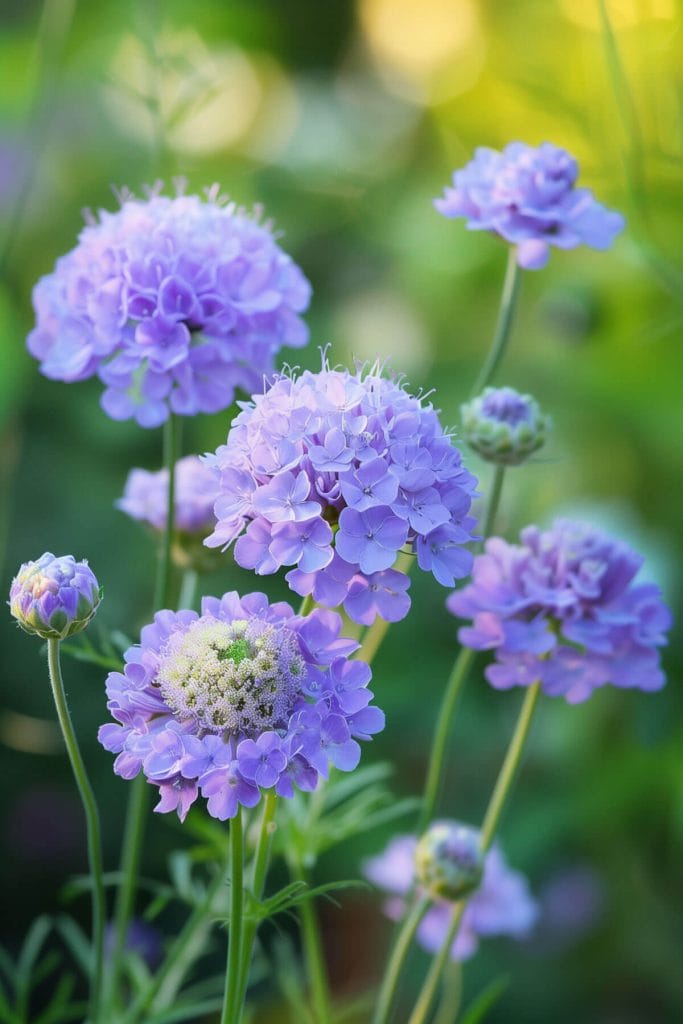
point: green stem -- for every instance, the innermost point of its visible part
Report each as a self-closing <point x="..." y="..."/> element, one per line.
<point x="374" y="636"/>
<point x="131" y="850"/>
<point x="501" y="791"/>
<point x="494" y="502"/>
<point x="231" y="1010"/>
<point x="92" y="821"/>
<point x="260" y="869"/>
<point x="501" y="337"/>
<point x="437" y="756"/>
<point x="428" y="992"/>
<point x="162" y="595"/>
<point x="188" y="589"/>
<point x="180" y="957"/>
<point x="455" y="683"/>
<point x="307" y="605"/>
<point x="399" y="953"/>
<point x="510" y="766"/>
<point x="313" y="953"/>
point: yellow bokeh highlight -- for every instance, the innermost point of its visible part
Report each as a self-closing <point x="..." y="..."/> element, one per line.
<point x="203" y="100"/>
<point x="424" y="49"/>
<point x="623" y="14"/>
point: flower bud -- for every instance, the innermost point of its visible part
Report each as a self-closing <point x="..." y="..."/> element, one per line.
<point x="449" y="861"/>
<point x="54" y="597"/>
<point x="503" y="426"/>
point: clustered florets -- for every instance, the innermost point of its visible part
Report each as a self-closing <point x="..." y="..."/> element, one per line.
<point x="173" y="303"/>
<point x="527" y="195"/>
<point x="335" y="473"/>
<point x="243" y="697"/>
<point x="54" y="597"/>
<point x="449" y="861"/>
<point x="145" y="496"/>
<point x="501" y="905"/>
<point x="561" y="608"/>
<point x="503" y="426"/>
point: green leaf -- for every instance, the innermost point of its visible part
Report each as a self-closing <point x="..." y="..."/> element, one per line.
<point x="485" y="1001"/>
<point x="186" y="1012"/>
<point x="33" y="943"/>
<point x="75" y="940"/>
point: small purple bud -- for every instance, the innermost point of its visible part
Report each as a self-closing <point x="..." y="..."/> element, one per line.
<point x="54" y="597"/>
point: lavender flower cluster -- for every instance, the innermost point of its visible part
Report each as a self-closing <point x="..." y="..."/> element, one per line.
<point x="502" y="905"/>
<point x="173" y="302"/>
<point x="334" y="473"/>
<point x="145" y="496"/>
<point x="527" y="195"/>
<point x="562" y="607"/>
<point x="244" y="697"/>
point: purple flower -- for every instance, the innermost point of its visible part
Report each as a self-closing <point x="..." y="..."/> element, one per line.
<point x="333" y="473"/>
<point x="502" y="905"/>
<point x="243" y="697"/>
<point x="503" y="426"/>
<point x="145" y="496"/>
<point x="527" y="196"/>
<point x="54" y="597"/>
<point x="562" y="608"/>
<point x="173" y="302"/>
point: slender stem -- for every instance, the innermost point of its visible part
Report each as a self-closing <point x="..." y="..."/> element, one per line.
<point x="451" y="994"/>
<point x="372" y="641"/>
<point x="162" y="596"/>
<point x="92" y="822"/>
<point x="501" y="791"/>
<point x="455" y="682"/>
<point x="307" y="605"/>
<point x="501" y="337"/>
<point x="231" y="1011"/>
<point x="510" y="766"/>
<point x="428" y="992"/>
<point x="138" y="800"/>
<point x="437" y="756"/>
<point x="188" y="589"/>
<point x="179" y="958"/>
<point x="399" y="953"/>
<point x="258" y="878"/>
<point x="130" y="863"/>
<point x="313" y="953"/>
<point x="494" y="502"/>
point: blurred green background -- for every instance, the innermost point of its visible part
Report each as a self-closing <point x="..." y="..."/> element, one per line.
<point x="344" y="119"/>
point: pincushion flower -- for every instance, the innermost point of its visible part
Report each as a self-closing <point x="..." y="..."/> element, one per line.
<point x="528" y="196"/>
<point x="243" y="697"/>
<point x="561" y="607"/>
<point x="145" y="496"/>
<point x="502" y="905"/>
<point x="504" y="426"/>
<point x="173" y="303"/>
<point x="335" y="473"/>
<point x="54" y="597"/>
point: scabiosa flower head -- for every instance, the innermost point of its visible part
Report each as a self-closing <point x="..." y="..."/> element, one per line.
<point x="243" y="697"/>
<point x="503" y="426"/>
<point x="502" y="905"/>
<point x="561" y="607"/>
<point x="173" y="302"/>
<point x="334" y="473"/>
<point x="528" y="196"/>
<point x="145" y="496"/>
<point x="54" y="597"/>
<point x="449" y="861"/>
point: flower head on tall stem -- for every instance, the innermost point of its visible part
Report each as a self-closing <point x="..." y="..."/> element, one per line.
<point x="500" y="905"/>
<point x="563" y="607"/>
<point x="334" y="473"/>
<point x="244" y="697"/>
<point x="504" y="426"/>
<point x="528" y="196"/>
<point x="173" y="302"/>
